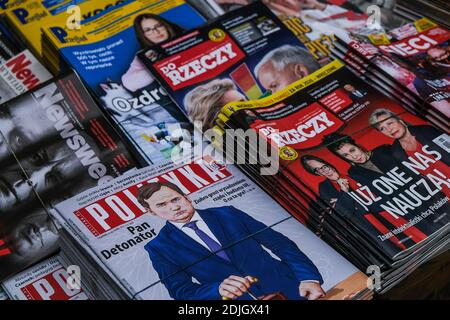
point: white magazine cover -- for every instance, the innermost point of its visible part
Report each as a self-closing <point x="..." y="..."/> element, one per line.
<point x="19" y="74"/>
<point x="181" y="231"/>
<point x="47" y="280"/>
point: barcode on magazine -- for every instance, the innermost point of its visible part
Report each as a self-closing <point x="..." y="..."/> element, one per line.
<point x="443" y="141"/>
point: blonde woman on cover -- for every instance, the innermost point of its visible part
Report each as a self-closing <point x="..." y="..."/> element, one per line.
<point x="204" y="103"/>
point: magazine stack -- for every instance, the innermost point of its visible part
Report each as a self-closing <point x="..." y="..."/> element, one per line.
<point x="340" y="155"/>
<point x="412" y="61"/>
<point x="47" y="280"/>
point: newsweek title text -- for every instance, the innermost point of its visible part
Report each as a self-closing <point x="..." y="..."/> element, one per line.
<point x="52" y="101"/>
<point x="20" y="67"/>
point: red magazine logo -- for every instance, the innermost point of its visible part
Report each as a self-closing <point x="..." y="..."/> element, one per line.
<point x="117" y="209"/>
<point x="19" y="67"/>
<point x="417" y="44"/>
<point x="301" y="130"/>
<point x="200" y="63"/>
<point x="51" y="287"/>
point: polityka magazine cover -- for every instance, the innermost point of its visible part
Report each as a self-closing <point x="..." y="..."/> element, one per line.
<point x="187" y="230"/>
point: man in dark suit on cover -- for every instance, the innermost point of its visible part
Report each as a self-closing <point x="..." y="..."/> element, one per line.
<point x="353" y="93"/>
<point x="222" y="249"/>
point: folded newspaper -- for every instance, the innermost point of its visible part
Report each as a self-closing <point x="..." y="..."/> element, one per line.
<point x="47" y="280"/>
<point x="103" y="52"/>
<point x="190" y="231"/>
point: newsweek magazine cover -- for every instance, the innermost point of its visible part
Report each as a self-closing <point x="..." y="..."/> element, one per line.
<point x="419" y="50"/>
<point x="379" y="167"/>
<point x="47" y="280"/>
<point x="19" y="74"/>
<point x="104" y="55"/>
<point x="56" y="143"/>
<point x="27" y="18"/>
<point x="316" y="23"/>
<point x="227" y="60"/>
<point x="185" y="231"/>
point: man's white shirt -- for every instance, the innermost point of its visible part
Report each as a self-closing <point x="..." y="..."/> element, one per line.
<point x="201" y="225"/>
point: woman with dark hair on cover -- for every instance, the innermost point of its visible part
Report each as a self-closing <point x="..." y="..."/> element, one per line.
<point x="409" y="140"/>
<point x="367" y="166"/>
<point x="334" y="190"/>
<point x="150" y="30"/>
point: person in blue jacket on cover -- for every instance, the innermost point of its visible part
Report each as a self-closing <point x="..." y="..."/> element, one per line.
<point x="239" y="268"/>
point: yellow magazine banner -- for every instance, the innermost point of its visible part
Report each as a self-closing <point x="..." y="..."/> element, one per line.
<point x="29" y="18"/>
<point x="424" y="24"/>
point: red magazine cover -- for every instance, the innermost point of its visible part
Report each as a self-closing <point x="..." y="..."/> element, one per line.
<point x="380" y="167"/>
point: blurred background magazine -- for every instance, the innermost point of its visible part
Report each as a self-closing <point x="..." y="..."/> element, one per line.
<point x="315" y="23"/>
<point x="422" y="70"/>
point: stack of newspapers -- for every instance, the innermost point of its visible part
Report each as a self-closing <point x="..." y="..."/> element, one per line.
<point x="411" y="62"/>
<point x="210" y="149"/>
<point x="436" y="10"/>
